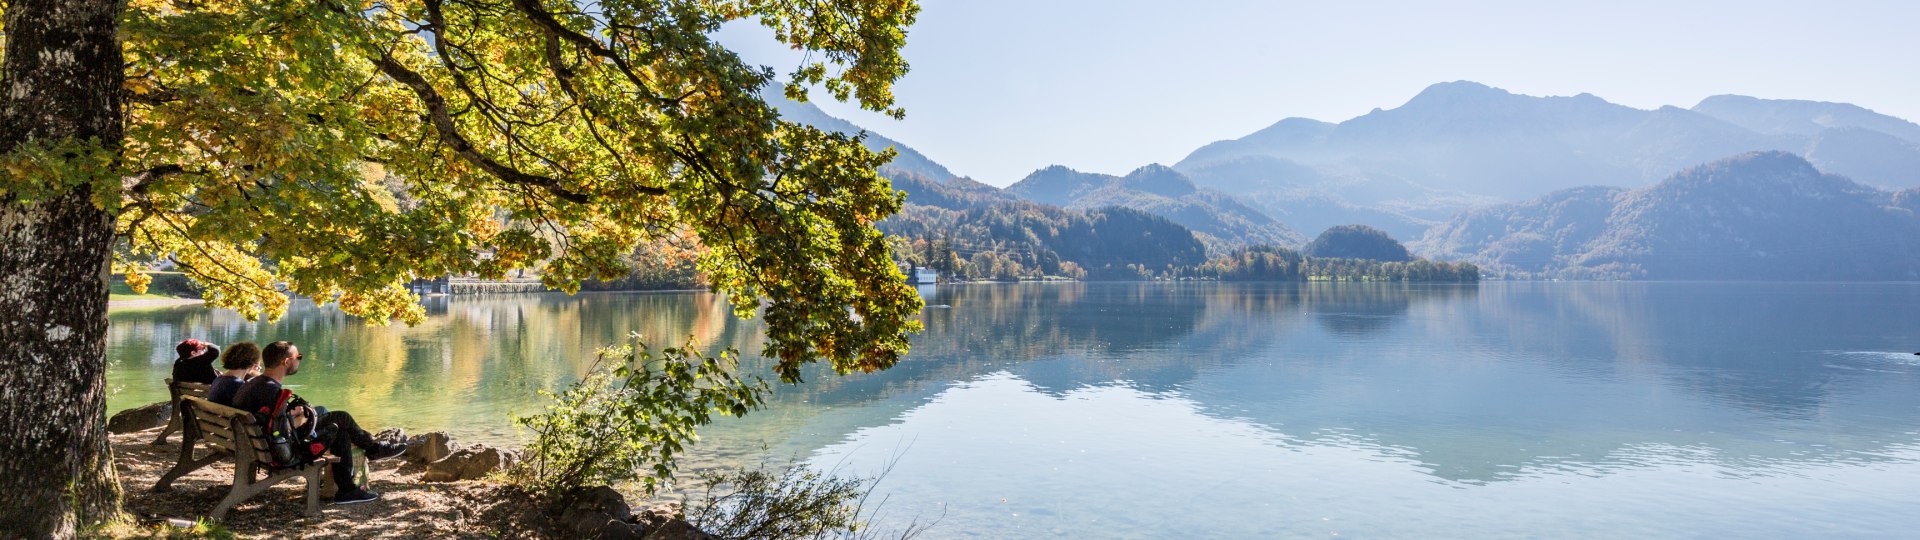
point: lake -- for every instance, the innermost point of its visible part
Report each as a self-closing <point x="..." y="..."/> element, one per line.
<point x="1221" y="410"/>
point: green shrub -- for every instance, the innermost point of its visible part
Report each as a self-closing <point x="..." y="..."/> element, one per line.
<point x="794" y="503"/>
<point x="630" y="417"/>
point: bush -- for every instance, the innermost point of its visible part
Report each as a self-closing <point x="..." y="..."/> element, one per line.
<point x="630" y="417"/>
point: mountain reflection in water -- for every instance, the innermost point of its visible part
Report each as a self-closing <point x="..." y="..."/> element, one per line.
<point x="1692" y="391"/>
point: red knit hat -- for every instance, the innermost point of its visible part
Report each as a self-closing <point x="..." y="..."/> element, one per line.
<point x="189" y="348"/>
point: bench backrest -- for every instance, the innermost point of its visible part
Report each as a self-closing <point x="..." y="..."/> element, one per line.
<point x="177" y="389"/>
<point x="226" y="429"/>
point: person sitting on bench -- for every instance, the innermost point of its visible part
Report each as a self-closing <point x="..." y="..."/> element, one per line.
<point x="195" y="364"/>
<point x="242" y="362"/>
<point x="335" y="430"/>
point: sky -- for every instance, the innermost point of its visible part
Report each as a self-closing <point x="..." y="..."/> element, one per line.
<point x="1001" y="88"/>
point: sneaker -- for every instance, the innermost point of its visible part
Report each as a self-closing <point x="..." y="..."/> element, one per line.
<point x="386" y="451"/>
<point x="355" y="497"/>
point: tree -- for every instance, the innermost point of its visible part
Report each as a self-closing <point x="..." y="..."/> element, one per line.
<point x="336" y="149"/>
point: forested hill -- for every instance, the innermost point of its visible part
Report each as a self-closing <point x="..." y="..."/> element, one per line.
<point x="1024" y="240"/>
<point x="1761" y="216"/>
<point x="1222" y="222"/>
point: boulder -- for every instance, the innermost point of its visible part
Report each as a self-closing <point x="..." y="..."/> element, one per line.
<point x="668" y="521"/>
<point x="429" y="447"/>
<point x="140" y="418"/>
<point x="601" y="499"/>
<point x="677" y="529"/>
<point x="601" y="512"/>
<point x="469" y="464"/>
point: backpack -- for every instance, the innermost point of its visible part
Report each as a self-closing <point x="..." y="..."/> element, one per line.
<point x="287" y="445"/>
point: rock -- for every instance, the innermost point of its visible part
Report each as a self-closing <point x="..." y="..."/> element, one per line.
<point x="601" y="499"/>
<point x="621" y="530"/>
<point x="429" y="447"/>
<point x="668" y="521"/>
<point x="391" y="435"/>
<point x="678" y="529"/>
<point x="601" y="512"/>
<point x="469" y="464"/>
<point x="661" y="513"/>
<point x="140" y="418"/>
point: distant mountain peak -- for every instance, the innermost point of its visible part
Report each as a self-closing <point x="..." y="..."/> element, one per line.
<point x="1458" y="92"/>
<point x="1296" y="122"/>
<point x="1772" y="166"/>
<point x="1057" y="185"/>
<point x="1152" y="169"/>
<point x="1159" y="180"/>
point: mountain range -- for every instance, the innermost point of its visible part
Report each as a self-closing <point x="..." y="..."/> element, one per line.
<point x="1462" y="144"/>
<point x="1221" y="221"/>
<point x="1757" y="216"/>
<point x="1530" y="186"/>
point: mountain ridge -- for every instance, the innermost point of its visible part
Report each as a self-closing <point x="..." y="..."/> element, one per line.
<point x="1759" y="215"/>
<point x="1222" y="221"/>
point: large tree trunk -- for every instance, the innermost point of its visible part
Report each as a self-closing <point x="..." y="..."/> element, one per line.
<point x="60" y="80"/>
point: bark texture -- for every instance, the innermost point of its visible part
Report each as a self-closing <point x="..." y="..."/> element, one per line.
<point x="60" y="79"/>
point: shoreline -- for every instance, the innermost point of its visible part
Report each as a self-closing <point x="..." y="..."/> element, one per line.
<point x="439" y="488"/>
<point x="409" y="506"/>
<point x="152" y="303"/>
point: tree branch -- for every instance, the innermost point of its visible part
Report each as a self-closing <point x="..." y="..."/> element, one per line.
<point x="138" y="182"/>
<point x="540" y="16"/>
<point x="450" y="135"/>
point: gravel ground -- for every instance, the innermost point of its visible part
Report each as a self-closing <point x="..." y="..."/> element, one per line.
<point x="408" y="507"/>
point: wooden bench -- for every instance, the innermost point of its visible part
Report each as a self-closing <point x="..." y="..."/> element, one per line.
<point x="175" y="390"/>
<point x="232" y="434"/>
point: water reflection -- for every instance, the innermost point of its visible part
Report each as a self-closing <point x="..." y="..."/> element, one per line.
<point x="1461" y="386"/>
<point x="474" y="363"/>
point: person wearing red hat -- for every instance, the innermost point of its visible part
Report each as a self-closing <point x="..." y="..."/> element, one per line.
<point x="196" y="361"/>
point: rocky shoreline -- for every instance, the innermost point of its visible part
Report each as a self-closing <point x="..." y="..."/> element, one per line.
<point x="438" y="489"/>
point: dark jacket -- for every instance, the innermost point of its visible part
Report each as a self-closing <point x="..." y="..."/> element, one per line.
<point x="224" y="389"/>
<point x="197" y="369"/>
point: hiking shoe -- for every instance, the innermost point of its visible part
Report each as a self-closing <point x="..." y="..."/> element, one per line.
<point x="355" y="497"/>
<point x="386" y="451"/>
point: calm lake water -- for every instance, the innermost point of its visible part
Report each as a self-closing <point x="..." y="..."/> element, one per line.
<point x="1553" y="410"/>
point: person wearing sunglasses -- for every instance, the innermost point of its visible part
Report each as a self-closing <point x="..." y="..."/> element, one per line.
<point x="333" y="432"/>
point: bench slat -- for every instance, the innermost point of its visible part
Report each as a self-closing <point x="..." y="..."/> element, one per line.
<point x="217" y="423"/>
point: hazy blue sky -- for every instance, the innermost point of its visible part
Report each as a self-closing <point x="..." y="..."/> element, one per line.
<point x="1000" y="88"/>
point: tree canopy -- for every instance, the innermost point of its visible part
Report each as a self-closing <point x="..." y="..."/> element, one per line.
<point x="338" y="149"/>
